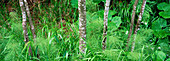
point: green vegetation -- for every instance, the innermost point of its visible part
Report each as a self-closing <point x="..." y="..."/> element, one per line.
<point x="57" y="30"/>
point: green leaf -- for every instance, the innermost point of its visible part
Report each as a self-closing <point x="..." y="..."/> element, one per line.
<point x="165" y="14"/>
<point x="110" y="14"/>
<point x="163" y="6"/>
<point x="166" y="7"/>
<point x="74" y="3"/>
<point x="159" y="56"/>
<point x="114" y="23"/>
<point x="101" y="14"/>
<point x="98" y="1"/>
<point x="158" y="24"/>
<point x="162" y="33"/>
<point x="157" y="27"/>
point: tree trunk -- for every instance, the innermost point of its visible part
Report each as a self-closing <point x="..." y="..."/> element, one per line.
<point x="30" y="20"/>
<point x="138" y="24"/>
<point x="82" y="25"/>
<point x="105" y="24"/>
<point x="31" y="23"/>
<point x="24" y="24"/>
<point x="132" y="23"/>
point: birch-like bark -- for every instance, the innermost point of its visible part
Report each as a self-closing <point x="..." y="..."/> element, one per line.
<point x="105" y="24"/>
<point x="24" y="24"/>
<point x="132" y="23"/>
<point x="30" y="20"/>
<point x="138" y="24"/>
<point x="82" y="25"/>
<point x="31" y="23"/>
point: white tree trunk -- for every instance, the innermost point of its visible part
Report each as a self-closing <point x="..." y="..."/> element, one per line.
<point x="30" y="20"/>
<point x="105" y="24"/>
<point x="138" y="24"/>
<point x="24" y="20"/>
<point x="82" y="25"/>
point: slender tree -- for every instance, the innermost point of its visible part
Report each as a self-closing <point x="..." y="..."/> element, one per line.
<point x="30" y="20"/>
<point x="105" y="24"/>
<point x="132" y="23"/>
<point x="138" y="24"/>
<point x="24" y="24"/>
<point x="82" y="25"/>
<point x="31" y="23"/>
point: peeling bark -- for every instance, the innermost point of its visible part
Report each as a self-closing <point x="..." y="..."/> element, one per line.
<point x="105" y="24"/>
<point x="24" y="24"/>
<point x="138" y="24"/>
<point x="132" y="23"/>
<point x="82" y="25"/>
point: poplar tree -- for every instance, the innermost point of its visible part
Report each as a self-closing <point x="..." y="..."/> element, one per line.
<point x="82" y="25"/>
<point x="138" y="24"/>
<point x="105" y="24"/>
<point x="24" y="21"/>
<point x="132" y="23"/>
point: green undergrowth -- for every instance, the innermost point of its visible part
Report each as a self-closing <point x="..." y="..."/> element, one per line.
<point x="57" y="40"/>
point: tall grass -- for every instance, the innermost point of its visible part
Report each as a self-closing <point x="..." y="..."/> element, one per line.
<point x="57" y="42"/>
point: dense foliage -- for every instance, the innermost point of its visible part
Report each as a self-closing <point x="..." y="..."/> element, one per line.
<point x="56" y="26"/>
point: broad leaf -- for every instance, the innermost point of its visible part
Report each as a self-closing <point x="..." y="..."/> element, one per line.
<point x="162" y="33"/>
<point x="159" y="56"/>
<point x="164" y="6"/>
<point x="158" y="24"/>
<point x="114" y="23"/>
<point x="165" y="14"/>
<point x="111" y="13"/>
<point x="157" y="27"/>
